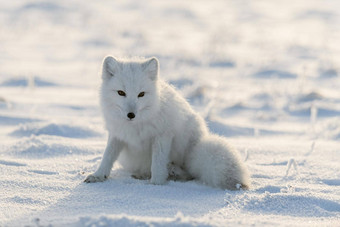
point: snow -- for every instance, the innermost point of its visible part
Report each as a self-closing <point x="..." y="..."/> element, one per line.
<point x="265" y="74"/>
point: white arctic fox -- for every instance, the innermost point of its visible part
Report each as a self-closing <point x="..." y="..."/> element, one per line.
<point x="156" y="134"/>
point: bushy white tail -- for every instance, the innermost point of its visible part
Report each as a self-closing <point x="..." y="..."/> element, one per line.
<point x="215" y="163"/>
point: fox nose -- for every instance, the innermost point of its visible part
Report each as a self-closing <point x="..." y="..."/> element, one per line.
<point x="131" y="115"/>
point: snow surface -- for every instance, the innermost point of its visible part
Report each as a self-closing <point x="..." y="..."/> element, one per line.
<point x="263" y="73"/>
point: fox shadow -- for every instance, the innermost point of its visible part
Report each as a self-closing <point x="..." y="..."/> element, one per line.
<point x="129" y="196"/>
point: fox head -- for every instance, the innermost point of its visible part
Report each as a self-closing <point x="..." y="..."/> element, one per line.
<point x="129" y="89"/>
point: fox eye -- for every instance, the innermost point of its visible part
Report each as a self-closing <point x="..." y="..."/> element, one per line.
<point x="141" y="94"/>
<point x="121" y="93"/>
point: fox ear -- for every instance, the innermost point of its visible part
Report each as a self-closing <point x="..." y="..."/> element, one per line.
<point x="109" y="67"/>
<point x="151" y="67"/>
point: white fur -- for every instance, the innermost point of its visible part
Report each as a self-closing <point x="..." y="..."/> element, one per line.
<point x="166" y="139"/>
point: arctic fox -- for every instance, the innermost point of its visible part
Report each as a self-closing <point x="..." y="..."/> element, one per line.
<point x="156" y="134"/>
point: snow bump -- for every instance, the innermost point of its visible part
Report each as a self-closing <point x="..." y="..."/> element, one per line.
<point x="35" y="147"/>
<point x="53" y="129"/>
<point x="289" y="204"/>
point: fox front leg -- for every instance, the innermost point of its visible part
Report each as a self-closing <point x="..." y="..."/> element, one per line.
<point x="160" y="159"/>
<point x="113" y="148"/>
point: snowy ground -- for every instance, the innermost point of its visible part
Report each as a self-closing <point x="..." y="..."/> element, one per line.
<point x="263" y="73"/>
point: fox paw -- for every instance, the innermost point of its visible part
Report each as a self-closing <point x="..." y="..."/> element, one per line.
<point x="159" y="180"/>
<point x="93" y="178"/>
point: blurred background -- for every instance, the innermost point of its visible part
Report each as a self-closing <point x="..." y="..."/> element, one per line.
<point x="72" y="37"/>
<point x="265" y="60"/>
